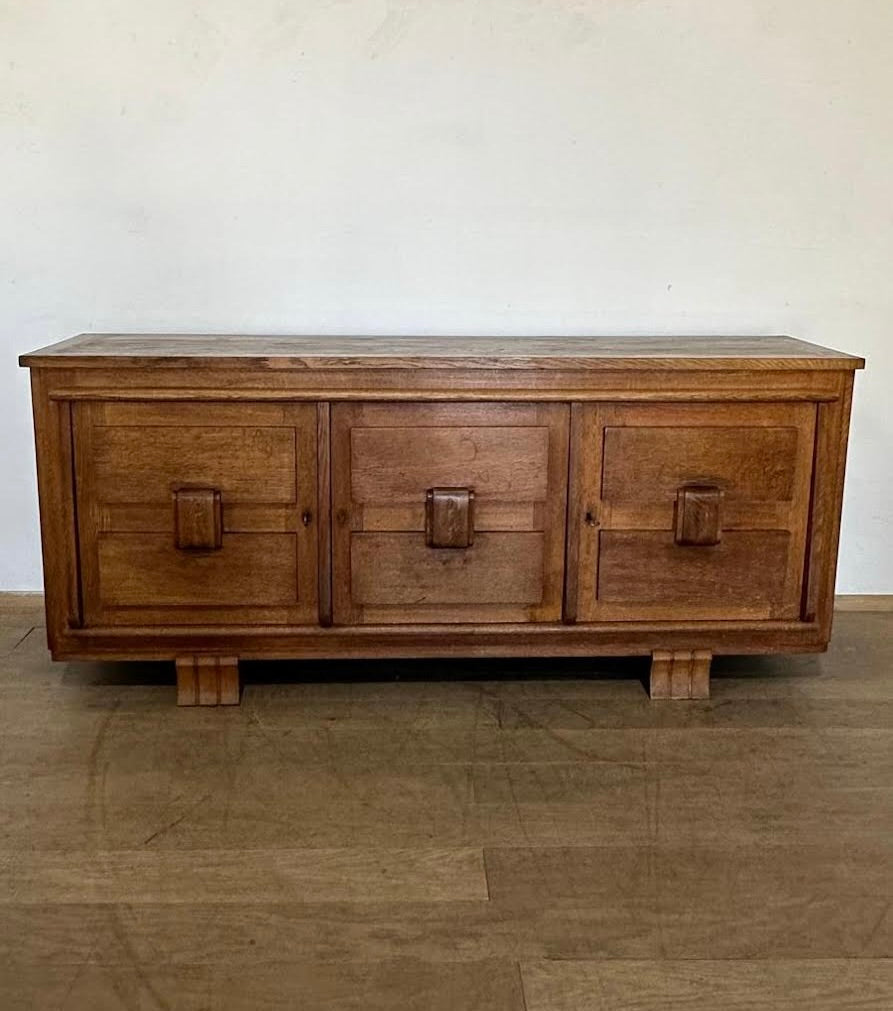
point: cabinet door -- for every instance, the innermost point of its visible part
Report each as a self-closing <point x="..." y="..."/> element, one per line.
<point x="196" y="514"/>
<point x="692" y="511"/>
<point x="487" y="543"/>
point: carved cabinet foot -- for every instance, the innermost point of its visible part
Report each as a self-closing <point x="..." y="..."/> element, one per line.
<point x="207" y="681"/>
<point x="680" y="674"/>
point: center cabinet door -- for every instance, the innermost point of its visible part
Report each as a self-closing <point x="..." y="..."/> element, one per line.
<point x="488" y="479"/>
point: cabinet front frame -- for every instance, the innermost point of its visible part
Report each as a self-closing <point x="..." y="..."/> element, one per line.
<point x="57" y="392"/>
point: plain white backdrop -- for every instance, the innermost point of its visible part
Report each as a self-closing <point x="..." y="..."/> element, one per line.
<point x="451" y="167"/>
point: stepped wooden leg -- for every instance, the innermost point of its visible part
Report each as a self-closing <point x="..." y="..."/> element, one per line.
<point x="680" y="674"/>
<point x="207" y="681"/>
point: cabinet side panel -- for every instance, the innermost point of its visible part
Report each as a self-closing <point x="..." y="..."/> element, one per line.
<point x="832" y="436"/>
<point x="55" y="487"/>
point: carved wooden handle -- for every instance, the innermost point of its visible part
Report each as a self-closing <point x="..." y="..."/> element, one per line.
<point x="449" y="517"/>
<point x="198" y="519"/>
<point x="698" y="519"/>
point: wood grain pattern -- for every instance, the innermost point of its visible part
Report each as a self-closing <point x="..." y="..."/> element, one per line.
<point x="680" y="674"/>
<point x="487" y="985"/>
<point x="832" y="436"/>
<point x="138" y="463"/>
<point x="198" y="519"/>
<point x="389" y="570"/>
<point x="449" y="517"/>
<point x="421" y="835"/>
<point x="758" y="456"/>
<point x="305" y="875"/>
<point x="148" y="570"/>
<point x="180" y="384"/>
<point x="222" y="350"/>
<point x="58" y="512"/>
<point x="826" y="985"/>
<point x="646" y="574"/>
<point x="698" y="518"/>
<point x="386" y="458"/>
<point x="207" y="681"/>
<point x="750" y="461"/>
<point x="261" y="462"/>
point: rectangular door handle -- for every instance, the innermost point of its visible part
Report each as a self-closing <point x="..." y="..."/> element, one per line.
<point x="698" y="520"/>
<point x="198" y="519"/>
<point x="449" y="517"/>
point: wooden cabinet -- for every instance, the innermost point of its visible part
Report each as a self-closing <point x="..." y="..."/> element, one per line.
<point x="206" y="499"/>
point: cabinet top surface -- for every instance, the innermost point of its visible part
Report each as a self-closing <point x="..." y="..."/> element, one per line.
<point x="343" y="352"/>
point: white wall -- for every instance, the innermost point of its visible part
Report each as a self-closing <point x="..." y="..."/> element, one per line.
<point x="448" y="166"/>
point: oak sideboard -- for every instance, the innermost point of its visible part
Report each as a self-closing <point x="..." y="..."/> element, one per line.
<point x="206" y="499"/>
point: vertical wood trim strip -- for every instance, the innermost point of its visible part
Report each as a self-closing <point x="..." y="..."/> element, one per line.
<point x="700" y="673"/>
<point x="187" y="681"/>
<point x="88" y="519"/>
<point x="228" y="680"/>
<point x="75" y="596"/>
<point x="661" y="660"/>
<point x="207" y="680"/>
<point x="791" y="603"/>
<point x="594" y="417"/>
<point x="827" y="495"/>
<point x="305" y="421"/>
<point x="680" y="675"/>
<point x="555" y="418"/>
<point x="58" y="535"/>
<point x="343" y="418"/>
<point x="837" y="465"/>
<point x="574" y="515"/>
<point x="324" y="511"/>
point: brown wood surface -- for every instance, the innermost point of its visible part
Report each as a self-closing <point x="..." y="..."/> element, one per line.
<point x="198" y="520"/>
<point x="449" y="517"/>
<point x="53" y="439"/>
<point x="180" y="384"/>
<point x="434" y="836"/>
<point x="148" y="570"/>
<point x="832" y="435"/>
<point x="207" y="681"/>
<point x="683" y="674"/>
<point x="324" y="512"/>
<point x="221" y="350"/>
<point x="632" y="463"/>
<point x="260" y="461"/>
<point x="698" y="515"/>
<point x="646" y="574"/>
<point x="385" y="460"/>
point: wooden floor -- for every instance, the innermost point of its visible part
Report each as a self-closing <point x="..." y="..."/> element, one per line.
<point x="422" y="837"/>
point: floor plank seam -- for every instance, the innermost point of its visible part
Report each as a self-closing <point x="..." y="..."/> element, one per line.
<point x="486" y="873"/>
<point x="524" y="1006"/>
<point x="24" y="637"/>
